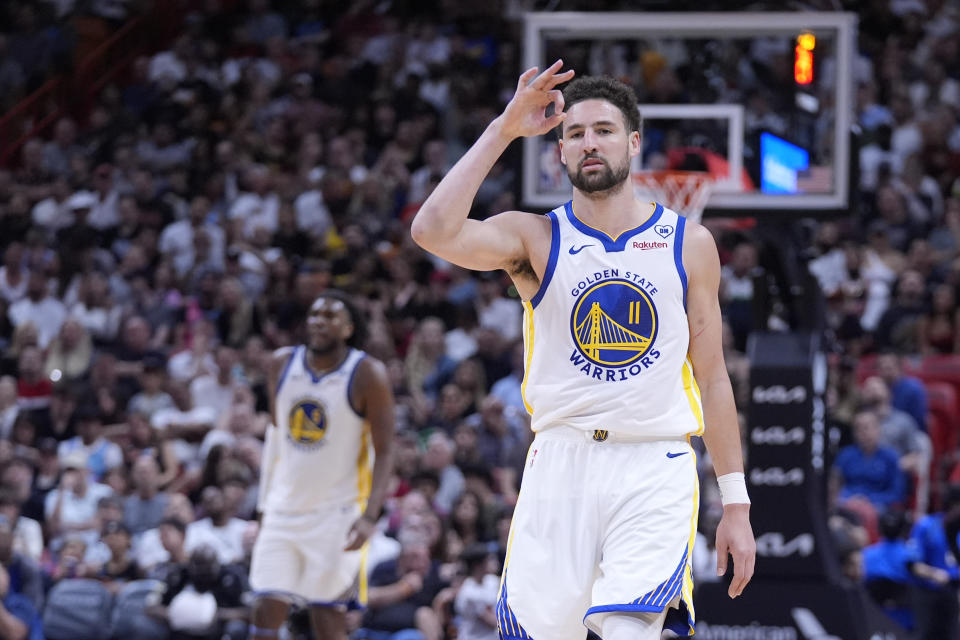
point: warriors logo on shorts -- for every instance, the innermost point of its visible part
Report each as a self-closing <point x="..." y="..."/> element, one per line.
<point x="614" y="323"/>
<point x="308" y="424"/>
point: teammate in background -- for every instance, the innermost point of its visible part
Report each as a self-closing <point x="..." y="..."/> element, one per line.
<point x="624" y="360"/>
<point x="318" y="496"/>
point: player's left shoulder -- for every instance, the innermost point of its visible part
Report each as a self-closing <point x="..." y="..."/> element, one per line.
<point x="699" y="248"/>
<point x="370" y="370"/>
<point x="370" y="385"/>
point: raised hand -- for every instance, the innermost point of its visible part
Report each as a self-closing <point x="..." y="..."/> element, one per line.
<point x="525" y="114"/>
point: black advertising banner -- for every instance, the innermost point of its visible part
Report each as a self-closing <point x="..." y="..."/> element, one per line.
<point x="797" y="592"/>
<point x="782" y="610"/>
<point x="786" y="467"/>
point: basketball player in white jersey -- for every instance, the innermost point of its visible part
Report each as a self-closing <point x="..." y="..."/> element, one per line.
<point x="623" y="363"/>
<point x="333" y="418"/>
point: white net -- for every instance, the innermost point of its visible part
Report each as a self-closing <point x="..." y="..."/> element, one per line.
<point x="686" y="192"/>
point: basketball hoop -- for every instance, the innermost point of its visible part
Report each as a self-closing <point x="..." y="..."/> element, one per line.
<point x="686" y="192"/>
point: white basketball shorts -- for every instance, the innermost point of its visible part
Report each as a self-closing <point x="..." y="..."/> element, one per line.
<point x="602" y="526"/>
<point x="299" y="557"/>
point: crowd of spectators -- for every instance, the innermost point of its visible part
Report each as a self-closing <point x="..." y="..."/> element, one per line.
<point x="154" y="253"/>
<point x="890" y="275"/>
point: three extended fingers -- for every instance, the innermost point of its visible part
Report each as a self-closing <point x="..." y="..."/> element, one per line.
<point x="547" y="80"/>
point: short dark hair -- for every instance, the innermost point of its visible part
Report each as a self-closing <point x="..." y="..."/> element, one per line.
<point x="357" y="319"/>
<point x="175" y="523"/>
<point x="892" y="524"/>
<point x="604" y="88"/>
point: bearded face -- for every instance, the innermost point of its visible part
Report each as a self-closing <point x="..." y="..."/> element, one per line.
<point x="595" y="175"/>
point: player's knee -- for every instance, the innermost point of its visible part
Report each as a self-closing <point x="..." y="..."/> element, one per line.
<point x="267" y="615"/>
<point x="637" y="626"/>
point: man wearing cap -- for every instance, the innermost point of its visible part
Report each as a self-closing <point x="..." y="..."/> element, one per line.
<point x="75" y="239"/>
<point x="72" y="506"/>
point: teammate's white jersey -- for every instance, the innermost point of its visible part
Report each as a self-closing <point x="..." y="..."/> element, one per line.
<point x="606" y="336"/>
<point x="320" y="451"/>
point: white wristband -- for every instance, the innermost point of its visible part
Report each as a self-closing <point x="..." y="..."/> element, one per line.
<point x="733" y="489"/>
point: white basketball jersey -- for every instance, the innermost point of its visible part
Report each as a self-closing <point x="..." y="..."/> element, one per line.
<point x="606" y="335"/>
<point x="320" y="452"/>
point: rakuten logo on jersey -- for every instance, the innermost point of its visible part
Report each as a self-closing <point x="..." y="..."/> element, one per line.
<point x="779" y="394"/>
<point x="777" y="477"/>
<point x="778" y="436"/>
<point x="643" y="245"/>
<point x="775" y="545"/>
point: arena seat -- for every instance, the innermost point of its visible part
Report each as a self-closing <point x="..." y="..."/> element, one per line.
<point x="943" y="427"/>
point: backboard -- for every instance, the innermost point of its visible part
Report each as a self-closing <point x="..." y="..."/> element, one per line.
<point x="764" y="101"/>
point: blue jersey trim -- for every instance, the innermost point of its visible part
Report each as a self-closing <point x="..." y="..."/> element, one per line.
<point x="317" y="378"/>
<point x="654" y="600"/>
<point x="352" y="604"/>
<point x="289" y="596"/>
<point x="353" y="374"/>
<point x="632" y="608"/>
<point x="678" y="256"/>
<point x="666" y="590"/>
<point x="286" y="596"/>
<point x="286" y="369"/>
<point x="682" y="625"/>
<point x="610" y="244"/>
<point x="510" y="628"/>
<point x="552" y="262"/>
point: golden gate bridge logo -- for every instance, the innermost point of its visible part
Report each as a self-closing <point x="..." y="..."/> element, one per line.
<point x="614" y="323"/>
<point x="307" y="424"/>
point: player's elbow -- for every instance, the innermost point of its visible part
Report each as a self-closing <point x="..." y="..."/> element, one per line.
<point x="426" y="233"/>
<point x="419" y="231"/>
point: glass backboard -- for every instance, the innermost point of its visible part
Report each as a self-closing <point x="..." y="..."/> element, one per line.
<point x="764" y="101"/>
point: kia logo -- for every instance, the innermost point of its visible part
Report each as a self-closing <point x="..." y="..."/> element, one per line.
<point x="779" y="394"/>
<point x="777" y="477"/>
<point x="775" y="545"/>
<point x="778" y="435"/>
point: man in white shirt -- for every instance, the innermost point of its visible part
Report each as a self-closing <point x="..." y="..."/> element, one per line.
<point x="104" y="214"/>
<point x="259" y="205"/>
<point x="99" y="454"/>
<point x="189" y="364"/>
<point x="13" y="273"/>
<point x="72" y="506"/>
<point x="45" y="312"/>
<point x="219" y="529"/>
<point x="216" y="391"/>
<point x="178" y="238"/>
<point x="54" y="213"/>
<point x="27" y="534"/>
<point x="149" y="547"/>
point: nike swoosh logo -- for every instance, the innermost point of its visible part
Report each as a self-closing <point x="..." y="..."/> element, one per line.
<point x="676" y="455"/>
<point x="574" y="250"/>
